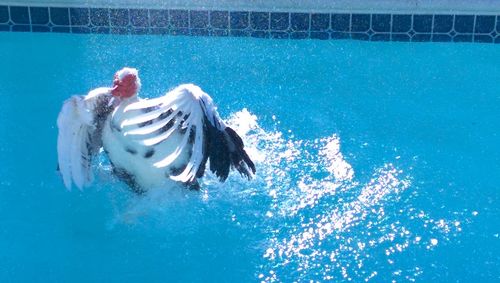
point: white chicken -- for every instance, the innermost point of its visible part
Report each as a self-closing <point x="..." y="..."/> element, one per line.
<point x="150" y="142"/>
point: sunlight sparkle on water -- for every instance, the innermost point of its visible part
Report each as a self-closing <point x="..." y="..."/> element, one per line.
<point x="321" y="218"/>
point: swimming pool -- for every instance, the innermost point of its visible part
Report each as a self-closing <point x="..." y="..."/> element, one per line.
<point x="377" y="161"/>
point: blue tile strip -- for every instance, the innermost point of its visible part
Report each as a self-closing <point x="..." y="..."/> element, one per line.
<point x="275" y="25"/>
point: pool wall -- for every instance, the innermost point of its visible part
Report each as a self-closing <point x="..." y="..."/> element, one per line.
<point x="387" y="20"/>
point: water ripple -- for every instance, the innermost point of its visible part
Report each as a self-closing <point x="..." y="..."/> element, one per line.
<point x="325" y="224"/>
<point x="307" y="214"/>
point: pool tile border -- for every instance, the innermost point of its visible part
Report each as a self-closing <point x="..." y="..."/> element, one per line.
<point x="273" y="25"/>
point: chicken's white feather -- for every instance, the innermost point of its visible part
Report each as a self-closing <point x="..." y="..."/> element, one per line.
<point x="189" y="173"/>
<point x="152" y="127"/>
<point x="148" y="116"/>
<point x="160" y="138"/>
<point x="173" y="156"/>
<point x="66" y="125"/>
<point x="76" y="127"/>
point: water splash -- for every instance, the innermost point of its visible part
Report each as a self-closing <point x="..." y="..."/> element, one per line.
<point x="324" y="224"/>
<point x="314" y="218"/>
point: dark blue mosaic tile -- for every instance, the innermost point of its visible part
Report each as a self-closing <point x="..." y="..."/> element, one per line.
<point x="340" y="35"/>
<point x="497" y="39"/>
<point x="299" y="35"/>
<point x="179" y="31"/>
<point x="463" y="38"/>
<point x="118" y="17"/>
<point x="280" y="35"/>
<point x="422" y="23"/>
<point x="441" y="38"/>
<point x="139" y="30"/>
<point x="421" y="37"/>
<point x="239" y="20"/>
<point x="259" y="21"/>
<point x="375" y="27"/>
<point x="320" y="35"/>
<point x="280" y="21"/>
<point x="360" y="36"/>
<point x="360" y="22"/>
<point x="219" y="32"/>
<point x="400" y="37"/>
<point x="341" y="22"/>
<point x="219" y="19"/>
<point x="200" y="32"/>
<point x="99" y="17"/>
<point x="4" y="14"/>
<point x="21" y="28"/>
<point x="119" y="30"/>
<point x="381" y="37"/>
<point x="179" y="19"/>
<point x="158" y="18"/>
<point x="401" y="23"/>
<point x="159" y="31"/>
<point x="59" y="16"/>
<point x="198" y="19"/>
<point x="139" y="17"/>
<point x="484" y="24"/>
<point x="61" y="29"/>
<point x="464" y="24"/>
<point x="381" y="22"/>
<point x="442" y="23"/>
<point x="80" y="30"/>
<point x="320" y="22"/>
<point x="100" y="30"/>
<point x="79" y="16"/>
<point x="299" y="21"/>
<point x="483" y="38"/>
<point x="40" y="28"/>
<point x="260" y="34"/>
<point x="240" y="33"/>
<point x="19" y="15"/>
<point x="39" y="15"/>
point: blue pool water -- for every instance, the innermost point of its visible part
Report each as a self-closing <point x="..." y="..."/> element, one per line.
<point x="377" y="162"/>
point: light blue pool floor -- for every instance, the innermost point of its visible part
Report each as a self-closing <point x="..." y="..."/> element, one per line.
<point x="376" y="162"/>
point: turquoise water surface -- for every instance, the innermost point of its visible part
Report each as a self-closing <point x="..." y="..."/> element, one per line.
<point x="377" y="162"/>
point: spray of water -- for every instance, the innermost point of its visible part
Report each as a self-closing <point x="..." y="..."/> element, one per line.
<point x="317" y="219"/>
<point x="324" y="224"/>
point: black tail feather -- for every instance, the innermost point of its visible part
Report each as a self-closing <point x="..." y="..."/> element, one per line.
<point x="217" y="152"/>
<point x="225" y="150"/>
<point x="239" y="158"/>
